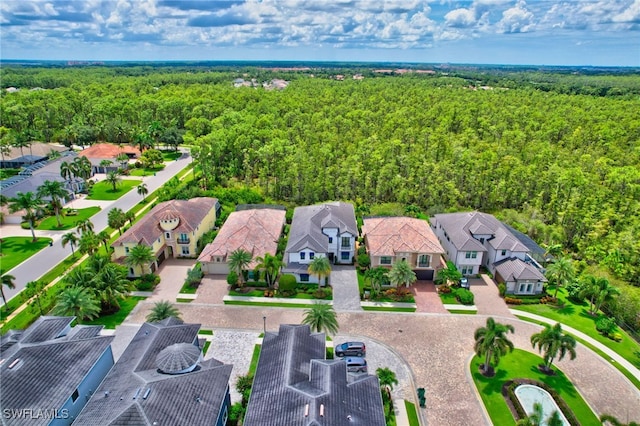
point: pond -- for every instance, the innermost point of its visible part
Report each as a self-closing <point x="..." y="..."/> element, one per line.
<point x="530" y="394"/>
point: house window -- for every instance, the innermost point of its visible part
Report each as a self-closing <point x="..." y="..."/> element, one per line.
<point x="75" y="395"/>
<point x="131" y="271"/>
<point x="474" y="254"/>
<point x="346" y="242"/>
<point x="385" y="260"/>
<point x="312" y="255"/>
<point x="330" y="240"/>
<point x="467" y="270"/>
<point x="304" y="278"/>
<point x="529" y="287"/>
<point x="303" y="255"/>
<point x="504" y="252"/>
<point x="345" y="255"/>
<point x="482" y="240"/>
<point x="167" y="235"/>
<point x="424" y="260"/>
<point x="185" y="250"/>
<point x="467" y="255"/>
<point x="521" y="290"/>
<point x="126" y="249"/>
<point x="225" y="415"/>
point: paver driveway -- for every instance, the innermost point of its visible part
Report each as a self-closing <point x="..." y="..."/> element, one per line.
<point x="346" y="295"/>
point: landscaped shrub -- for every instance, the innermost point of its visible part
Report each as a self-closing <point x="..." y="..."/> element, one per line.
<point x="364" y="261"/>
<point x="512" y="300"/>
<point x="147" y="282"/>
<point x="606" y="326"/>
<point x="444" y="289"/>
<point x="502" y="289"/>
<point x="194" y="276"/>
<point x="320" y="294"/>
<point x="617" y="336"/>
<point x="362" y="249"/>
<point x="287" y="283"/>
<point x="232" y="279"/>
<point x="464" y="296"/>
<point x="508" y="391"/>
<point x="269" y="293"/>
<point x="391" y="292"/>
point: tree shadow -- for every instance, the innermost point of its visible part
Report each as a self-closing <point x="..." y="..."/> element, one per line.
<point x="566" y="309"/>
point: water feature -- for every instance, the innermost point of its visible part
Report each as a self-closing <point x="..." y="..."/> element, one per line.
<point x="530" y="394"/>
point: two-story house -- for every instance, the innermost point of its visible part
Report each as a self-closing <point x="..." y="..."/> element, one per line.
<point x="171" y="229"/>
<point x="328" y="229"/>
<point x="392" y="239"/>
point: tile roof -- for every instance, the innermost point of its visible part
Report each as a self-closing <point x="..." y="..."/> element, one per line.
<point x="136" y="392"/>
<point x="50" y="367"/>
<point x="308" y="222"/>
<point x="189" y="212"/>
<point x="461" y="226"/>
<point x="108" y="151"/>
<point x="391" y="235"/>
<point x="515" y="269"/>
<point x="37" y="149"/>
<point x="256" y="231"/>
<point x="292" y="375"/>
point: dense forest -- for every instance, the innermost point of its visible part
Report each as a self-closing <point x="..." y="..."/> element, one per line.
<point x="557" y="155"/>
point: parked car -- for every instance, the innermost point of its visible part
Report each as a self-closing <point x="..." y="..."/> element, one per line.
<point x="464" y="282"/>
<point x="356" y="364"/>
<point x="350" y="349"/>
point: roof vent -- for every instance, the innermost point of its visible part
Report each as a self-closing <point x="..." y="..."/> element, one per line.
<point x="321" y="410"/>
<point x="178" y="358"/>
<point x="135" y="395"/>
<point x="306" y="410"/>
<point x="106" y="394"/>
<point x="349" y="417"/>
<point x="146" y="394"/>
<point x="15" y="364"/>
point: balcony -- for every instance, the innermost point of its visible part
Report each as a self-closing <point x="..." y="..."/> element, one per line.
<point x="183" y="240"/>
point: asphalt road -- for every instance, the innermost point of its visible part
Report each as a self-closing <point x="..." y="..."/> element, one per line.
<point x="39" y="264"/>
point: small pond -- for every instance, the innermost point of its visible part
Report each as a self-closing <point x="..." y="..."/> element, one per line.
<point x="530" y="394"/>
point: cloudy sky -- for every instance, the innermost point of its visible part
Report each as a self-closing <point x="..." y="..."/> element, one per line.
<point x="538" y="32"/>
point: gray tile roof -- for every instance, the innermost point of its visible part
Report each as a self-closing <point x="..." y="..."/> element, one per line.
<point x="48" y="371"/>
<point x="193" y="398"/>
<point x="293" y="378"/>
<point x="308" y="222"/>
<point x="515" y="269"/>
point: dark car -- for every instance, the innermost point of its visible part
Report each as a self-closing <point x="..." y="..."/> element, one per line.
<point x="356" y="364"/>
<point x="350" y="349"/>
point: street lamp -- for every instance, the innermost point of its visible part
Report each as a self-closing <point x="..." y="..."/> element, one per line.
<point x="264" y="324"/>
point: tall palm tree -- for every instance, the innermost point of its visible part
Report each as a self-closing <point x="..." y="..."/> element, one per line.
<point x="72" y="239"/>
<point x="110" y="285"/>
<point x="387" y="379"/>
<point x="162" y="310"/>
<point x="54" y="190"/>
<point x="9" y="281"/>
<point x="143" y="191"/>
<point x="130" y="216"/>
<point x="606" y="293"/>
<point x="271" y="265"/>
<point x="554" y="343"/>
<point x="239" y="260"/>
<point x="533" y="419"/>
<point x="598" y="290"/>
<point x="377" y="276"/>
<point x="66" y="171"/>
<point x="31" y="204"/>
<point x="321" y="317"/>
<point x="321" y="267"/>
<point x="561" y="272"/>
<point x="88" y="243"/>
<point x="116" y="219"/>
<point x="448" y="275"/>
<point x="401" y="273"/>
<point x="492" y="343"/>
<point x="82" y="167"/>
<point x="78" y="302"/>
<point x="114" y="179"/>
<point x="139" y="256"/>
<point x="84" y="225"/>
<point x="104" y="237"/>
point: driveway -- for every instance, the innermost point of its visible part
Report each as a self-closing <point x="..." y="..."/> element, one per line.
<point x="346" y="294"/>
<point x="212" y="289"/>
<point x="427" y="299"/>
<point x="172" y="274"/>
<point x="487" y="297"/>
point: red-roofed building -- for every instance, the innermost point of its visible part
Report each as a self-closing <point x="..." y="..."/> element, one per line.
<point x="99" y="152"/>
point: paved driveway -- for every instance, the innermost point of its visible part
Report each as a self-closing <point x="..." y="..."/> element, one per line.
<point x="487" y="297"/>
<point x="172" y="274"/>
<point x="427" y="299"/>
<point x="346" y="294"/>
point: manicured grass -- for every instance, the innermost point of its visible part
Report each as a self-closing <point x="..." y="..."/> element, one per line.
<point x="578" y="317"/>
<point x="15" y="250"/>
<point x="522" y="364"/>
<point x="187" y="289"/>
<point x="254" y="359"/>
<point x="104" y="190"/>
<point x="271" y="305"/>
<point x="412" y="414"/>
<point x="252" y="293"/>
<point x="387" y="309"/>
<point x="150" y="171"/>
<point x="181" y="300"/>
<point x="51" y="224"/>
<point x="7" y="173"/>
<point x="460" y="311"/>
<point x="113" y="320"/>
<point x="171" y="155"/>
<point x="449" y="298"/>
<point x="206" y="347"/>
<point x="206" y="332"/>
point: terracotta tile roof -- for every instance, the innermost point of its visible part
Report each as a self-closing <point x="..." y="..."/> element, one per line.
<point x="256" y="231"/>
<point x="391" y="235"/>
<point x="189" y="213"/>
<point x="108" y="151"/>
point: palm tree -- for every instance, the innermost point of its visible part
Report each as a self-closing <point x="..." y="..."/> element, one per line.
<point x="533" y="419"/>
<point x="239" y="260"/>
<point x="162" y="310"/>
<point x="9" y="281"/>
<point x="130" y="216"/>
<point x="88" y="243"/>
<point x="271" y="265"/>
<point x="554" y="343"/>
<point x="321" y="267"/>
<point x="598" y="290"/>
<point x="554" y="419"/>
<point x="561" y="272"/>
<point x="401" y="273"/>
<point x="84" y="226"/>
<point x="613" y="421"/>
<point x="80" y="276"/>
<point x="606" y="293"/>
<point x="321" y="317"/>
<point x="116" y="219"/>
<point x="78" y="302"/>
<point x="55" y="191"/>
<point x="72" y="239"/>
<point x="110" y="284"/>
<point x="143" y="191"/>
<point x="492" y="343"/>
<point x="31" y="204"/>
<point x="448" y="275"/>
<point x="387" y="379"/>
<point x="82" y="167"/>
<point x="123" y="159"/>
<point x="104" y="237"/>
<point x="114" y="179"/>
<point x="66" y="171"/>
<point x="377" y="276"/>
<point x="139" y="256"/>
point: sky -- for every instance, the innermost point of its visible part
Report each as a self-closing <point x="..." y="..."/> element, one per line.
<point x="521" y="32"/>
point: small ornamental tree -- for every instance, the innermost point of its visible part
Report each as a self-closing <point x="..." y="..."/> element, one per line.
<point x="287" y="283"/>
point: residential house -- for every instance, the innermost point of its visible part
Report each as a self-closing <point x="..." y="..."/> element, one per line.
<point x="328" y="229"/>
<point x="162" y="379"/>
<point x="99" y="152"/>
<point x="49" y="371"/>
<point x="392" y="239"/>
<point x="16" y="158"/>
<point x="519" y="277"/>
<point x="295" y="386"/>
<point x="256" y="231"/>
<point x="172" y="229"/>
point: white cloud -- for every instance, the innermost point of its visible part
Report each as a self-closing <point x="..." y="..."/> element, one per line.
<point x="461" y="18"/>
<point x="516" y="19"/>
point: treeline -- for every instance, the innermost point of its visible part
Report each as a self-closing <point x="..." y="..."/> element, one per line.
<point x="564" y="168"/>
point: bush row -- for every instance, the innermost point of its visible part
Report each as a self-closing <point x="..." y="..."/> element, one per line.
<point x="508" y="391"/>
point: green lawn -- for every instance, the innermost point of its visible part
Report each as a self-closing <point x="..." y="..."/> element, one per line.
<point x="206" y="347"/>
<point x="387" y="309"/>
<point x="578" y="317"/>
<point x="68" y="221"/>
<point x="149" y="171"/>
<point x="113" y="320"/>
<point x="171" y="155"/>
<point x="270" y="305"/>
<point x="104" y="190"/>
<point x="412" y="414"/>
<point x="15" y="250"/>
<point x="522" y="364"/>
<point x="207" y="332"/>
<point x="461" y="311"/>
<point x="254" y="360"/>
<point x="7" y="173"/>
<point x="449" y="298"/>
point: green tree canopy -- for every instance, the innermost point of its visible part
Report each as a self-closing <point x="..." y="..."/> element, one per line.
<point x="492" y="343"/>
<point x="321" y="318"/>
<point x="554" y="343"/>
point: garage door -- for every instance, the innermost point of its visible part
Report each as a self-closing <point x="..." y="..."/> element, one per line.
<point x="424" y="274"/>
